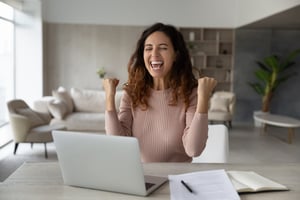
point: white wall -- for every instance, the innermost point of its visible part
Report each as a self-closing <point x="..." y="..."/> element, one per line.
<point x="29" y="56"/>
<point x="193" y="13"/>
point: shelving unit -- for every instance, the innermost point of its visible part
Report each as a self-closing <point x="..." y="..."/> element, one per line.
<point x="212" y="53"/>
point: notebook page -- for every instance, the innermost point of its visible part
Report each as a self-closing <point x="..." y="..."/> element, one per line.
<point x="210" y="185"/>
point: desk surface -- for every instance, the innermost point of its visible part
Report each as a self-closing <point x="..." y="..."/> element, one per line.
<point x="37" y="181"/>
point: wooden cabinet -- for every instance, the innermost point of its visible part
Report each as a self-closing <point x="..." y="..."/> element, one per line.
<point x="212" y="53"/>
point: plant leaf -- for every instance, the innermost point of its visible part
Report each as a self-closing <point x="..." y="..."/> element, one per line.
<point x="262" y="75"/>
<point x="258" y="88"/>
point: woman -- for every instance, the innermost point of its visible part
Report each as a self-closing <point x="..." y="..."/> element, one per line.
<point x="163" y="105"/>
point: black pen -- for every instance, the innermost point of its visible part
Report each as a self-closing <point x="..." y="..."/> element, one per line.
<point x="186" y="186"/>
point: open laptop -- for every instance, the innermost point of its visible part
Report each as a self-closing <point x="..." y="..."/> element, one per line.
<point x="103" y="162"/>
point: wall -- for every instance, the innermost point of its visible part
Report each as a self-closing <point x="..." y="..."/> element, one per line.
<point x="74" y="52"/>
<point x="253" y="45"/>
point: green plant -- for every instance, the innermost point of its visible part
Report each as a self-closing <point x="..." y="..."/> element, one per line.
<point x="273" y="71"/>
<point x="101" y="72"/>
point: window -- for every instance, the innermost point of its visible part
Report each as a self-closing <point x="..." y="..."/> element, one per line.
<point x="6" y="59"/>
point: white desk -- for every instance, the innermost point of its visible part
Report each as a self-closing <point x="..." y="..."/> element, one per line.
<point x="280" y="121"/>
<point x="35" y="181"/>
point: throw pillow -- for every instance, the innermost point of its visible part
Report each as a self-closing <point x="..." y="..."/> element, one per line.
<point x="64" y="96"/>
<point x="219" y="104"/>
<point x="88" y="100"/>
<point x="57" y="108"/>
<point x="33" y="117"/>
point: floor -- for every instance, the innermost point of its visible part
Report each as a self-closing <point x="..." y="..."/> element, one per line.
<point x="246" y="145"/>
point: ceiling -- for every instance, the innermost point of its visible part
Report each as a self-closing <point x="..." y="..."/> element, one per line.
<point x="289" y="19"/>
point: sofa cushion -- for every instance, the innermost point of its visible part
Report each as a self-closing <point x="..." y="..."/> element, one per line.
<point x="32" y="116"/>
<point x="63" y="95"/>
<point x="88" y="100"/>
<point x="219" y="104"/>
<point x="41" y="105"/>
<point x="57" y="108"/>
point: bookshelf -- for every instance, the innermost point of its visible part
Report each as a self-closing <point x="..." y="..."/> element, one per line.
<point x="212" y="53"/>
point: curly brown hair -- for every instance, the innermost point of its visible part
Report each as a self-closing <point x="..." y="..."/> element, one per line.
<point x="182" y="80"/>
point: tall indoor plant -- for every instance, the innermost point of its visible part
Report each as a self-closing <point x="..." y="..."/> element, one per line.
<point x="273" y="70"/>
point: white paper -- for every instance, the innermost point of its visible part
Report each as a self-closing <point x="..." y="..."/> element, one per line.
<point x="211" y="185"/>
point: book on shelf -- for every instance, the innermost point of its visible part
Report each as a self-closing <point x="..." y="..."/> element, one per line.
<point x="249" y="181"/>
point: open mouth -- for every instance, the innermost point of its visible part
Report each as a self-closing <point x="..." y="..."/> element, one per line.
<point x="156" y="64"/>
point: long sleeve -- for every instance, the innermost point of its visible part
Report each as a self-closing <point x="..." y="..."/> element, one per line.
<point x="196" y="130"/>
<point x="120" y="123"/>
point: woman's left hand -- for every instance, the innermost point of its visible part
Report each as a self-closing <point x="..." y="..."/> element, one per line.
<point x="206" y="86"/>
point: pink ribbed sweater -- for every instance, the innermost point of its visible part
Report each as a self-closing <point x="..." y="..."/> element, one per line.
<point x="165" y="133"/>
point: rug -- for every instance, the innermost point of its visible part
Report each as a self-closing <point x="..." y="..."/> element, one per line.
<point x="11" y="162"/>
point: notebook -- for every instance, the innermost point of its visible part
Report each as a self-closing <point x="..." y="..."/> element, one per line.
<point x="98" y="161"/>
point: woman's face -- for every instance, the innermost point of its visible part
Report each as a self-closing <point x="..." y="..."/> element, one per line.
<point x="159" y="55"/>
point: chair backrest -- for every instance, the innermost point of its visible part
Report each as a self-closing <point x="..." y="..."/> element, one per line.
<point x="217" y="146"/>
<point x="15" y="104"/>
<point x="20" y="107"/>
<point x="226" y="95"/>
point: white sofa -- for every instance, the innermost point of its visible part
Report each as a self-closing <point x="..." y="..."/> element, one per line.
<point x="77" y="109"/>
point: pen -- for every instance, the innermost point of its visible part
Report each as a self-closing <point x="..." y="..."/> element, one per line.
<point x="186" y="186"/>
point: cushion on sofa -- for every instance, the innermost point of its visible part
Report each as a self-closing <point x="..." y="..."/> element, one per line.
<point x="219" y="104"/>
<point x="57" y="108"/>
<point x="88" y="100"/>
<point x="41" y="105"/>
<point x="63" y="95"/>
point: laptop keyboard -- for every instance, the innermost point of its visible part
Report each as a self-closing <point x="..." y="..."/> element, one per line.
<point x="149" y="185"/>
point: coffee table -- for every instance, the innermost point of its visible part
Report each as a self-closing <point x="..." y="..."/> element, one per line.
<point x="280" y="121"/>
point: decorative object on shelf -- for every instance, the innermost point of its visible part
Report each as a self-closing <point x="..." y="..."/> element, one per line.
<point x="273" y="71"/>
<point x="192" y="36"/>
<point x="101" y="72"/>
<point x="224" y="52"/>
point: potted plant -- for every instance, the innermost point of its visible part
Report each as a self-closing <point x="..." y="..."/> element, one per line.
<point x="273" y="71"/>
<point x="101" y="72"/>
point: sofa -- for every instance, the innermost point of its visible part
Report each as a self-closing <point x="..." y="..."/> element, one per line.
<point x="76" y="109"/>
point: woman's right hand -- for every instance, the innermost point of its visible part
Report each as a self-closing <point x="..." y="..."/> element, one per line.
<point x="110" y="85"/>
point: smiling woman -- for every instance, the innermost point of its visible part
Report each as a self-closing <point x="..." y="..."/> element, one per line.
<point x="164" y="106"/>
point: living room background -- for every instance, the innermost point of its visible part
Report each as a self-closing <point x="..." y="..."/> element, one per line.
<point x="73" y="46"/>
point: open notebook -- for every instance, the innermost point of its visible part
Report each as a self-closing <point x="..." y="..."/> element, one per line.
<point x="249" y="181"/>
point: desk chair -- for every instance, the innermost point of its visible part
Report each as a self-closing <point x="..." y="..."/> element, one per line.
<point x="217" y="146"/>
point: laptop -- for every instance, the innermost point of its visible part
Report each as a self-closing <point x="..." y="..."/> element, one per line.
<point x="102" y="162"/>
